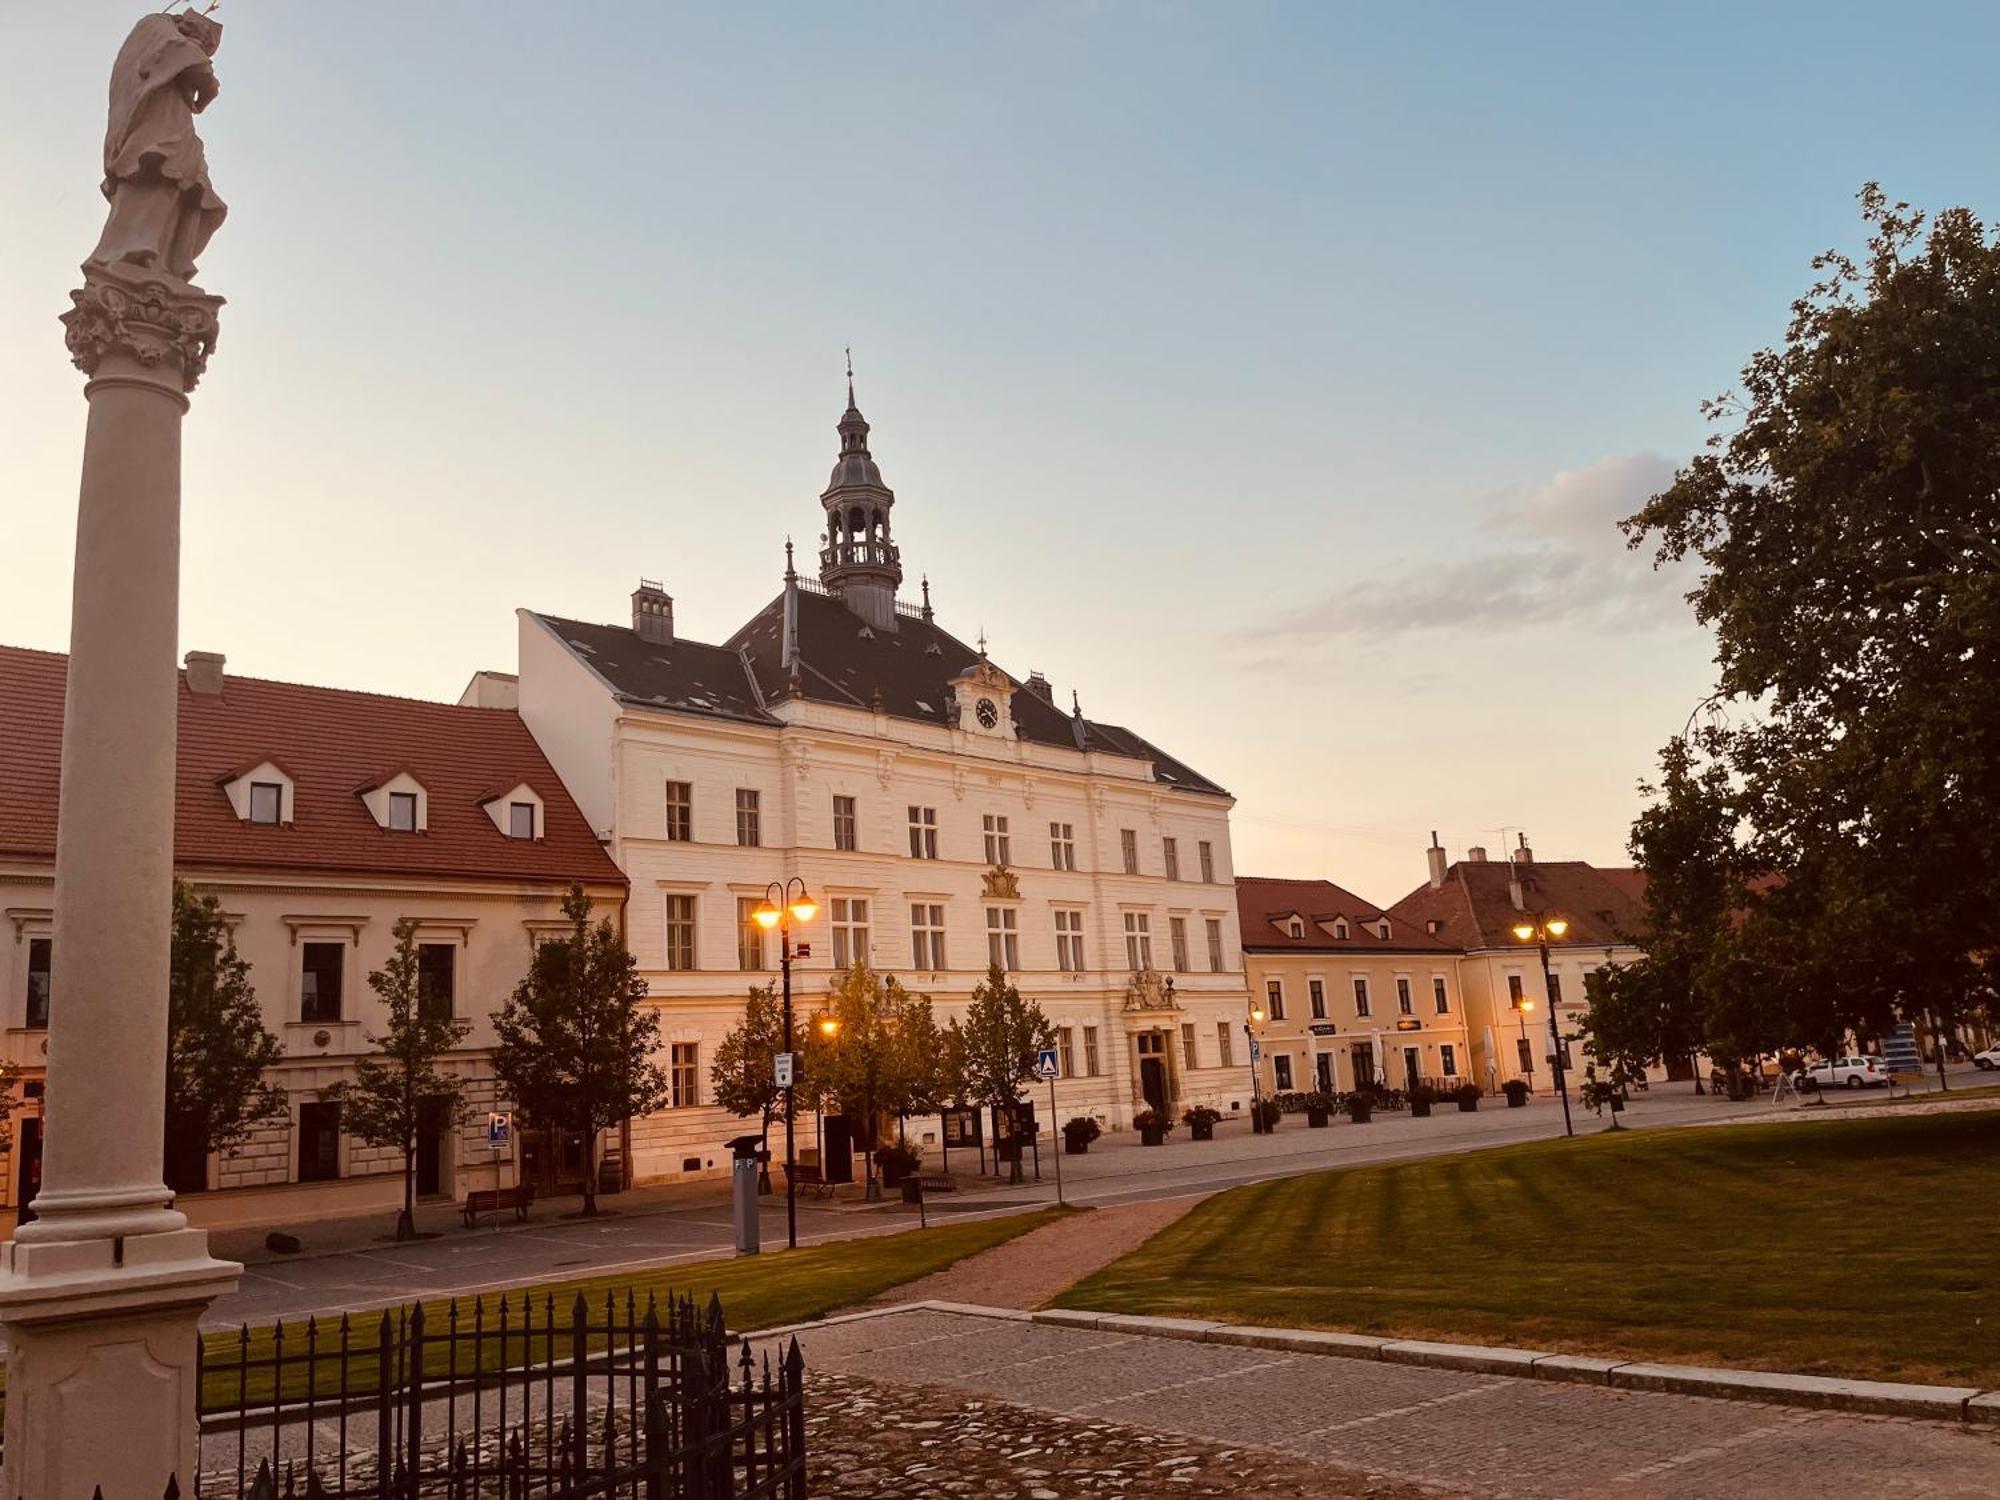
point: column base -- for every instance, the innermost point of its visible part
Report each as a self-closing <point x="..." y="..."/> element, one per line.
<point x="101" y="1362"/>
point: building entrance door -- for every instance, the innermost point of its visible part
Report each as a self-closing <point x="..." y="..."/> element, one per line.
<point x="1153" y="1069"/>
<point x="1364" y="1064"/>
<point x="1323" y="1070"/>
<point x="1412" y="1067"/>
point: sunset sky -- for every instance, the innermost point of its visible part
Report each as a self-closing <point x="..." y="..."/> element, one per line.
<point x="1272" y="375"/>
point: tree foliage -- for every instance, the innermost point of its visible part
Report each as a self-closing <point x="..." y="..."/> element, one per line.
<point x="402" y="1087"/>
<point x="217" y="1046"/>
<point x="999" y="1040"/>
<point x="1846" y="517"/>
<point x="576" y="1044"/>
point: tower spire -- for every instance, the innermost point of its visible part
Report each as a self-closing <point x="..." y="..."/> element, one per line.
<point x="860" y="565"/>
<point x="850" y="377"/>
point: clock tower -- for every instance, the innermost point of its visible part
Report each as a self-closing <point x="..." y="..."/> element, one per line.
<point x="858" y="562"/>
<point x="984" y="695"/>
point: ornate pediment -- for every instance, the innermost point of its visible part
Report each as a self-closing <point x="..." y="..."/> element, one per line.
<point x="1001" y="884"/>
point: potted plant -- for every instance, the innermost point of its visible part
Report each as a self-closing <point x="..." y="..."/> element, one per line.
<point x="1319" y="1109"/>
<point x="1421" y="1098"/>
<point x="1153" y="1125"/>
<point x="896" y="1161"/>
<point x="1200" y="1121"/>
<point x="1467" y="1095"/>
<point x="1267" y="1110"/>
<point x="1516" y="1090"/>
<point x="1079" y="1133"/>
<point x="1360" y="1106"/>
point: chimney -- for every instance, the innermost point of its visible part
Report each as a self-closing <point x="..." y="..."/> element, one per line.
<point x="652" y="613"/>
<point x="204" y="672"/>
<point x="1039" y="686"/>
<point x="1438" y="862"/>
<point x="1476" y="855"/>
<point x="1524" y="855"/>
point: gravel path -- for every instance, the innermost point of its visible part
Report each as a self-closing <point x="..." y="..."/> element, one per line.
<point x="1033" y="1270"/>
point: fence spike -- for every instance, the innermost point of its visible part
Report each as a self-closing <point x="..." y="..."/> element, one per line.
<point x="173" y="1490"/>
<point x="263" y="1487"/>
<point x="314" y="1489"/>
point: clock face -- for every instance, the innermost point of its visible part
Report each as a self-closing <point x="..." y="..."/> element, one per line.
<point x="988" y="713"/>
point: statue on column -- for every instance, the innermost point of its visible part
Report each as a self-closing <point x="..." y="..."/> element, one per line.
<point x="163" y="207"/>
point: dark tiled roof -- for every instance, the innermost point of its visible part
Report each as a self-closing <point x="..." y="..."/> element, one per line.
<point x="1476" y="907"/>
<point x="329" y="742"/>
<point x="1262" y="901"/>
<point x="683" y="675"/>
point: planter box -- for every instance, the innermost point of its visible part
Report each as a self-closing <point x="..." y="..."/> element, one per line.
<point x="892" y="1175"/>
<point x="1361" y="1116"/>
<point x="1153" y="1136"/>
<point x="1468" y="1105"/>
<point x="1317" y="1118"/>
<point x="911" y="1192"/>
<point x="1203" y="1132"/>
<point x="1075" y="1145"/>
<point x="1420" y="1109"/>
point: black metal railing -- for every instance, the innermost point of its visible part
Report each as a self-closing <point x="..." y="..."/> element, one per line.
<point x="511" y="1398"/>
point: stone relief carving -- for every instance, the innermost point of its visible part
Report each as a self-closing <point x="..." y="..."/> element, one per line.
<point x="1001" y="884"/>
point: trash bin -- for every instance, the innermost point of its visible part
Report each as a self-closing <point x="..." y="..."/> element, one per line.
<point x="743" y="1173"/>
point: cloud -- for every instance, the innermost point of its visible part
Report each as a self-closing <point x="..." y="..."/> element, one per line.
<point x="1554" y="556"/>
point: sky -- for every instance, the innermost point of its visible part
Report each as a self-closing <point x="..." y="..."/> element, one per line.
<point x="1272" y="375"/>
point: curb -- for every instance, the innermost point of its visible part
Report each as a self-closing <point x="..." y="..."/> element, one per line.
<point x="1945" y="1403"/>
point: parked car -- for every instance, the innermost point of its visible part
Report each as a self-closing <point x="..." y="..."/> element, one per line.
<point x="1988" y="1060"/>
<point x="1846" y="1072"/>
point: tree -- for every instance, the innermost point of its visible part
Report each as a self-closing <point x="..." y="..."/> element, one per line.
<point x="1000" y="1039"/>
<point x="864" y="1067"/>
<point x="744" y="1073"/>
<point x="394" y="1095"/>
<point x="1847" y="519"/>
<point x="576" y="1043"/>
<point x="217" y="1047"/>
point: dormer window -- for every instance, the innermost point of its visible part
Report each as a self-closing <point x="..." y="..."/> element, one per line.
<point x="520" y="820"/>
<point x="402" y="812"/>
<point x="267" y="802"/>
<point x="1340" y="931"/>
<point x="517" y="811"/>
<point x="1382" y="929"/>
<point x="397" y="803"/>
<point x="1297" y="928"/>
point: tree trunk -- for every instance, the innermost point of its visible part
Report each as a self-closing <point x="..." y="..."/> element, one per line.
<point x="406" y="1221"/>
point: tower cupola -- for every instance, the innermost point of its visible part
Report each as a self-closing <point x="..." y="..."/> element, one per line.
<point x="858" y="562"/>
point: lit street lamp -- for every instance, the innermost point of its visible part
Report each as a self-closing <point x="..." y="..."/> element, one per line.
<point x="1523" y="1005"/>
<point x="780" y="908"/>
<point x="1256" y="1112"/>
<point x="1538" y="931"/>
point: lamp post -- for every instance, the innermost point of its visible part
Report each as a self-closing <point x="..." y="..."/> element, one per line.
<point x="1256" y="1112"/>
<point x="1538" y="930"/>
<point x="780" y="908"/>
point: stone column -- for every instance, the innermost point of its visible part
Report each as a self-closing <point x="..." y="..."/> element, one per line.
<point x="100" y="1296"/>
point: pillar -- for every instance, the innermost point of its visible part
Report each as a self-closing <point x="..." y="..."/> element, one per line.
<point x="101" y="1295"/>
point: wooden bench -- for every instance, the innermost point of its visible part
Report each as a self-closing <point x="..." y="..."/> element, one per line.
<point x="493" y="1200"/>
<point x="808" y="1175"/>
<point x="928" y="1183"/>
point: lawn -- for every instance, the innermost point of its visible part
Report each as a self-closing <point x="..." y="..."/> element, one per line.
<point x="758" y="1291"/>
<point x="1866" y="1248"/>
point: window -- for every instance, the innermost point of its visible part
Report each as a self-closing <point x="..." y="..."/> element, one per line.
<point x="319" y="1141"/>
<point x="680" y="932"/>
<point x="1296" y="928"/>
<point x="1340" y="931"/>
<point x="1316" y="993"/>
<point x="1361" y="997"/>
<point x="1092" y="1064"/>
<point x="1069" y="941"/>
<point x="319" y="981"/>
<point x="1187" y="1044"/>
<point x="999" y="847"/>
<point x="1448" y="1060"/>
<point x="749" y="936"/>
<point x="1382" y="929"/>
<point x="1062" y="846"/>
<point x="436" y="973"/>
<point x="1177" y="942"/>
<point x="1281" y="1071"/>
<point x="267" y="802"/>
<point x="680" y="812"/>
<point x="1403" y="1005"/>
<point x="927" y="937"/>
<point x="684" y="1074"/>
<point x="850" y="931"/>
<point x="1555" y="982"/>
<point x="1128" y="843"/>
<point x="1138" y="941"/>
<point x="1003" y="942"/>
<point x="1170" y="851"/>
<point x="1206" y="851"/>
<point x="1225" y="1044"/>
<point x="749" y="818"/>
<point x="1274" y="999"/>
<point x="1526" y="1049"/>
<point x="402" y="812"/>
<point x="843" y="823"/>
<point x="41" y="952"/>
<point x="1215" y="945"/>
<point x="923" y="833"/>
<point x="520" y="820"/>
<point x="1066" y="1049"/>
<point x="1438" y="995"/>
<point x="1514" y="995"/>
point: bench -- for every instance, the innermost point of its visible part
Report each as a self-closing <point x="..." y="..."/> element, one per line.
<point x="935" y="1183"/>
<point x="808" y="1175"/>
<point x="493" y="1200"/>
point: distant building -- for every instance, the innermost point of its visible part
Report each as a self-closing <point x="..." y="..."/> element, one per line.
<point x="944" y="812"/>
<point x="1473" y="904"/>
<point x="1351" y="994"/>
<point x="320" y="818"/>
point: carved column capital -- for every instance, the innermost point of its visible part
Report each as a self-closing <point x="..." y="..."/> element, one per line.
<point x="162" y="324"/>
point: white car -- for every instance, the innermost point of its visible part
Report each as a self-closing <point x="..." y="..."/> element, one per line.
<point x="1988" y="1060"/>
<point x="1846" y="1072"/>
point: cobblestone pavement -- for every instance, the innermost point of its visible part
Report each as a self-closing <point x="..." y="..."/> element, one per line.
<point x="1465" y="1434"/>
<point x="1031" y="1271"/>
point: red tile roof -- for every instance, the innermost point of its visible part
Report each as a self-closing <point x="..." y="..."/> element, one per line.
<point x="1475" y="905"/>
<point x="1262" y="901"/>
<point x="329" y="741"/>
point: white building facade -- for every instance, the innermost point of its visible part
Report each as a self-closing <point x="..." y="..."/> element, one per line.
<point x="944" y="813"/>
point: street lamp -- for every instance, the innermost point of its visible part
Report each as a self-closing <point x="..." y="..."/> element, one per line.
<point x="781" y="907"/>
<point x="1256" y="1112"/>
<point x="1538" y="930"/>
<point x="1523" y="1005"/>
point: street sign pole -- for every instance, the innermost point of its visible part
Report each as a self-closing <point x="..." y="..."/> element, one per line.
<point x="1052" y="1126"/>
